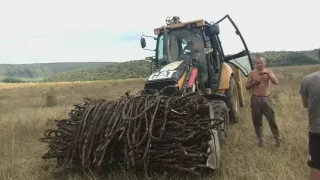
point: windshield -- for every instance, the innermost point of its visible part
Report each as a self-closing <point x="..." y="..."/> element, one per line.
<point x="181" y="42"/>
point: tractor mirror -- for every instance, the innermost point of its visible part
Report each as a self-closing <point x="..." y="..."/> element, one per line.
<point x="207" y="50"/>
<point x="143" y="43"/>
<point x="149" y="58"/>
<point x="215" y="29"/>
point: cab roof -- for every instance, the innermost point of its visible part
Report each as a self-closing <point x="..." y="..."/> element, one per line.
<point x="188" y="24"/>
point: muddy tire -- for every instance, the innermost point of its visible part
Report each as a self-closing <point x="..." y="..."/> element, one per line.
<point x="222" y="112"/>
<point x="233" y="101"/>
<point x="225" y="116"/>
<point x="220" y="135"/>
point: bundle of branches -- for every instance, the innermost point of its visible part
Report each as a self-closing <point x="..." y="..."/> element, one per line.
<point x="134" y="130"/>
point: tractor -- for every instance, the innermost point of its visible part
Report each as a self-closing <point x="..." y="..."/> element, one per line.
<point x="189" y="58"/>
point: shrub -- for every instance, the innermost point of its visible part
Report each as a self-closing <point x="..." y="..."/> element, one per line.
<point x="12" y="80"/>
<point x="50" y="97"/>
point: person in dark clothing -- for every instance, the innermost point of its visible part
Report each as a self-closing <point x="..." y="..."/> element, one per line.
<point x="310" y="92"/>
<point x="259" y="80"/>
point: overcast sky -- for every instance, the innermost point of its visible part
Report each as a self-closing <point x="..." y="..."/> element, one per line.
<point x="35" y="31"/>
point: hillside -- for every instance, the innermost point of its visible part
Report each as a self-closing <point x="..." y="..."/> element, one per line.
<point x="141" y="68"/>
<point x="126" y="70"/>
<point x="42" y="70"/>
<point x="290" y="58"/>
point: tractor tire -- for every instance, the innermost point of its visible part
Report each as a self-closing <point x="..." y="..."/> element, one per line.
<point x="219" y="136"/>
<point x="232" y="100"/>
<point x="221" y="111"/>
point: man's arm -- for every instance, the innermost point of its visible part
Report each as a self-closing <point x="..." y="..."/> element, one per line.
<point x="272" y="77"/>
<point x="249" y="83"/>
<point x="304" y="92"/>
<point x="305" y="101"/>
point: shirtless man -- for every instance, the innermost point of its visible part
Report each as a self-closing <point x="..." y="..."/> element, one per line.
<point x="260" y="80"/>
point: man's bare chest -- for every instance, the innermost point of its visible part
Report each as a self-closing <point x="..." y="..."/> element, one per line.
<point x="258" y="77"/>
<point x="264" y="78"/>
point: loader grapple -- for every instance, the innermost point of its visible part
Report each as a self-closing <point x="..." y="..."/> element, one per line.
<point x="140" y="130"/>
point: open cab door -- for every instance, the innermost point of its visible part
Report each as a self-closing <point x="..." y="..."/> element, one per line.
<point x="239" y="58"/>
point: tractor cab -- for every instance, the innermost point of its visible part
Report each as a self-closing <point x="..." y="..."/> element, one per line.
<point x="182" y="44"/>
<point x="179" y="43"/>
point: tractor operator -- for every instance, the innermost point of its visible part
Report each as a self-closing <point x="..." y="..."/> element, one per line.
<point x="261" y="104"/>
<point x="194" y="49"/>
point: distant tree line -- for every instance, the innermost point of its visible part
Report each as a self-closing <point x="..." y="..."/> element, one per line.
<point x="134" y="68"/>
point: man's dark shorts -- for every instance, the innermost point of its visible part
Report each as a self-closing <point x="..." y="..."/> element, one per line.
<point x="314" y="150"/>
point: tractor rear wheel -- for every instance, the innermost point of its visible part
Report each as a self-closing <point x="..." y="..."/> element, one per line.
<point x="233" y="103"/>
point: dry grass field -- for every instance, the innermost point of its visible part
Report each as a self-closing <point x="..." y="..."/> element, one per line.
<point x="23" y="118"/>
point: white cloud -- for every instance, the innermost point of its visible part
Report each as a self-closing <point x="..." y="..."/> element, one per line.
<point x="88" y="30"/>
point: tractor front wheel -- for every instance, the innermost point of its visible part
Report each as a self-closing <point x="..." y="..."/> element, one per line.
<point x="233" y="103"/>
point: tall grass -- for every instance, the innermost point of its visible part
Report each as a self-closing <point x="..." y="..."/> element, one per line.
<point x="23" y="118"/>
